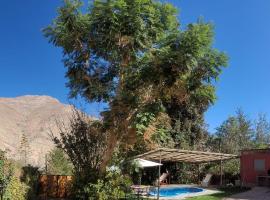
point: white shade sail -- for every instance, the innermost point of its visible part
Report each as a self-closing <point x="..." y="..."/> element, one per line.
<point x="146" y="163"/>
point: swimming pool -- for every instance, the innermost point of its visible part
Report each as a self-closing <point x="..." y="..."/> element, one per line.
<point x="173" y="191"/>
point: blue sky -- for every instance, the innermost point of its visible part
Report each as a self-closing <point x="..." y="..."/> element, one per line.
<point x="29" y="65"/>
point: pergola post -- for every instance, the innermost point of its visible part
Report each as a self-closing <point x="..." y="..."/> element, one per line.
<point x="159" y="168"/>
<point x="198" y="173"/>
<point x="220" y="171"/>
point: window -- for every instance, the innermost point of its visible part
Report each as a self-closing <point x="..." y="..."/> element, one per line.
<point x="259" y="165"/>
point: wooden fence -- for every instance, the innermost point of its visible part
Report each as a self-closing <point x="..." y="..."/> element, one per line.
<point x="54" y="186"/>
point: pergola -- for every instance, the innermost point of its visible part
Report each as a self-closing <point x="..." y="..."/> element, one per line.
<point x="186" y="156"/>
<point x="179" y="155"/>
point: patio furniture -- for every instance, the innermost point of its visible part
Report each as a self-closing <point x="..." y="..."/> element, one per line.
<point x="140" y="190"/>
<point x="206" y="180"/>
<point x="163" y="179"/>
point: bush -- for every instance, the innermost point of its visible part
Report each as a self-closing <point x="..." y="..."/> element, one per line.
<point x="113" y="186"/>
<point x="58" y="163"/>
<point x="29" y="177"/>
<point x="229" y="167"/>
<point x="16" y="190"/>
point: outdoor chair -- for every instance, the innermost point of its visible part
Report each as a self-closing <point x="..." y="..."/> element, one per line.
<point x="206" y="180"/>
<point x="163" y="179"/>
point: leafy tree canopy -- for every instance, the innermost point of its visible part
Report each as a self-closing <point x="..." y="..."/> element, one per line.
<point x="135" y="56"/>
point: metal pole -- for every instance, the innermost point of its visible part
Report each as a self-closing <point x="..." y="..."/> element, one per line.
<point x="220" y="172"/>
<point x="159" y="174"/>
<point x="220" y="162"/>
<point x="198" y="174"/>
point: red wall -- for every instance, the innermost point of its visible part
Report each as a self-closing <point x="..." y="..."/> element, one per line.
<point x="247" y="171"/>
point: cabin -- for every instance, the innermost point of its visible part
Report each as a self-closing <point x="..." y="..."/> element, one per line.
<point x="255" y="167"/>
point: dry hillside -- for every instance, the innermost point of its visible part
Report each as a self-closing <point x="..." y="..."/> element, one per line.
<point x="34" y="116"/>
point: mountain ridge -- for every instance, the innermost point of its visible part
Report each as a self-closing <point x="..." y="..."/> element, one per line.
<point x="32" y="115"/>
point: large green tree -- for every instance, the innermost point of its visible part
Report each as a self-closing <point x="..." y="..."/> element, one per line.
<point x="135" y="56"/>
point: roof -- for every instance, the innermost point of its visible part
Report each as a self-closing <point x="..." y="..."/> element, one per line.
<point x="262" y="149"/>
<point x="180" y="155"/>
<point x="251" y="151"/>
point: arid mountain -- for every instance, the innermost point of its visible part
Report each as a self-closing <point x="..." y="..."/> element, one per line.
<point x="34" y="116"/>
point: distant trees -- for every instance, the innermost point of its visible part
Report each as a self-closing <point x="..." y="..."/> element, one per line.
<point x="262" y="131"/>
<point x="238" y="132"/>
<point x="58" y="163"/>
<point x="235" y="133"/>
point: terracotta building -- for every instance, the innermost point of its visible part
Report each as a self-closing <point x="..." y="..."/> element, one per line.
<point x="255" y="167"/>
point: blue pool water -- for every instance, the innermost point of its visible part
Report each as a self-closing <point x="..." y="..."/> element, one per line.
<point x="174" y="191"/>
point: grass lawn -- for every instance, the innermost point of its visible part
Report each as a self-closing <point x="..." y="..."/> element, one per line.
<point x="226" y="192"/>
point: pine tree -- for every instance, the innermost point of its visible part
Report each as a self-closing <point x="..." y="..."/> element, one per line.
<point x="24" y="149"/>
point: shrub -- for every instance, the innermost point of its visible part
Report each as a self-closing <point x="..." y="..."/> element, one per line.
<point x="16" y="190"/>
<point x="113" y="186"/>
<point x="6" y="172"/>
<point x="58" y="163"/>
<point x="29" y="177"/>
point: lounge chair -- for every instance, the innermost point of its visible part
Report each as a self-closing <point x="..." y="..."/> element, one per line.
<point x="163" y="179"/>
<point x="206" y="180"/>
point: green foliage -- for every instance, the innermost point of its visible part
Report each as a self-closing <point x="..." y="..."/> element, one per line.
<point x="11" y="187"/>
<point x="230" y="167"/>
<point x="58" y="163"/>
<point x="147" y="114"/>
<point x="29" y="177"/>
<point x="24" y="149"/>
<point x="237" y="133"/>
<point x="84" y="143"/>
<point x="143" y="120"/>
<point x="185" y="173"/>
<point x="113" y="186"/>
<point x="162" y="137"/>
<point x="6" y="172"/>
<point x="133" y="55"/>
<point x="262" y="131"/>
<point x="16" y="190"/>
<point x="234" y="134"/>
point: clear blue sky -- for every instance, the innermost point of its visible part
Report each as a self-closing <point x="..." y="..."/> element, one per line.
<point x="29" y="65"/>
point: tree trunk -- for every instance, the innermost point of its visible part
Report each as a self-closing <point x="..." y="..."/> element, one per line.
<point x="111" y="145"/>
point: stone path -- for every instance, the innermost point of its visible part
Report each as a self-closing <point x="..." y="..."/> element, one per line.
<point x="256" y="193"/>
